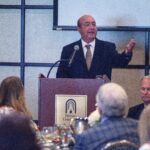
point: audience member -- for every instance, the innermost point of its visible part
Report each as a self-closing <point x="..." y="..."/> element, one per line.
<point x="134" y="112"/>
<point x="144" y="126"/>
<point x="94" y="117"/>
<point x="103" y="55"/>
<point x="16" y="133"/>
<point x="12" y="97"/>
<point x="145" y="146"/>
<point x="112" y="102"/>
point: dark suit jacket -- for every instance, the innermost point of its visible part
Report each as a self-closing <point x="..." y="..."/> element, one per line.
<point x="135" y="112"/>
<point x="111" y="130"/>
<point x="104" y="58"/>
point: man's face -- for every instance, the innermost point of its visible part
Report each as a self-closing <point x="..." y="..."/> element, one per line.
<point x="145" y="90"/>
<point x="87" y="28"/>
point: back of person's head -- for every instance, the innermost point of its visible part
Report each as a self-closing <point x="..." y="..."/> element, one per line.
<point x="16" y="133"/>
<point x="12" y="94"/>
<point x="144" y="125"/>
<point x="112" y="100"/>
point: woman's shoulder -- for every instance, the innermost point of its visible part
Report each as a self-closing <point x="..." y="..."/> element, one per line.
<point x="6" y="110"/>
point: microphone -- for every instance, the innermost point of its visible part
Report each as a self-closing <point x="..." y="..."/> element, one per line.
<point x="55" y="65"/>
<point x="76" y="48"/>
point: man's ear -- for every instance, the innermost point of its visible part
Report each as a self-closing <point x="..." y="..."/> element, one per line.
<point x="78" y="29"/>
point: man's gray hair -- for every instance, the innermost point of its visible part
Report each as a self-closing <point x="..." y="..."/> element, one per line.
<point x="145" y="77"/>
<point x="112" y="100"/>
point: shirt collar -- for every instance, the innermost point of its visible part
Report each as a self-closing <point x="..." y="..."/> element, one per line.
<point x="91" y="43"/>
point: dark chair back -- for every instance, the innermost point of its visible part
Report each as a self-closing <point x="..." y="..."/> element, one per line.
<point x="120" y="145"/>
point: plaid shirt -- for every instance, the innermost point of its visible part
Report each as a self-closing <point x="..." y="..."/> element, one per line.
<point x="112" y="129"/>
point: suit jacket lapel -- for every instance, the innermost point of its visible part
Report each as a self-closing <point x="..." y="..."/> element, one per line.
<point x="96" y="54"/>
<point x="81" y="56"/>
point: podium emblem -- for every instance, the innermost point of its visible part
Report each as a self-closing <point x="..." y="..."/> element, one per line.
<point x="69" y="106"/>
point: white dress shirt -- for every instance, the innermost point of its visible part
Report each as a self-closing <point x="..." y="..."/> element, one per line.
<point x="85" y="49"/>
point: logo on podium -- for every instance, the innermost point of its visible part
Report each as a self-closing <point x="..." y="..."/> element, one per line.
<point x="69" y="106"/>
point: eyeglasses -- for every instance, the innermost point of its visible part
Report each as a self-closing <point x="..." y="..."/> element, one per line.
<point x="87" y="24"/>
<point x="145" y="89"/>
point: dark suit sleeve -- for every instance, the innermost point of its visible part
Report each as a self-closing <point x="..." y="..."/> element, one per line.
<point x="135" y="111"/>
<point x="114" y="58"/>
<point x="77" y="68"/>
<point x="121" y="60"/>
<point x="62" y="71"/>
<point x="108" y="57"/>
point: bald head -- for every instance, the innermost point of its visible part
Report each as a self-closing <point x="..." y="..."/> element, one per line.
<point x="86" y="25"/>
<point x="82" y="18"/>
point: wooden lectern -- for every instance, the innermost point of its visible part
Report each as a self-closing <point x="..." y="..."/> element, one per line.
<point x="49" y="87"/>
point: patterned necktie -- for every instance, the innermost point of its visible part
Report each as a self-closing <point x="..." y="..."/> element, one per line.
<point x="88" y="56"/>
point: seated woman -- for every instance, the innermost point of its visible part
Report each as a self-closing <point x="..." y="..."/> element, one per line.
<point x="12" y="98"/>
